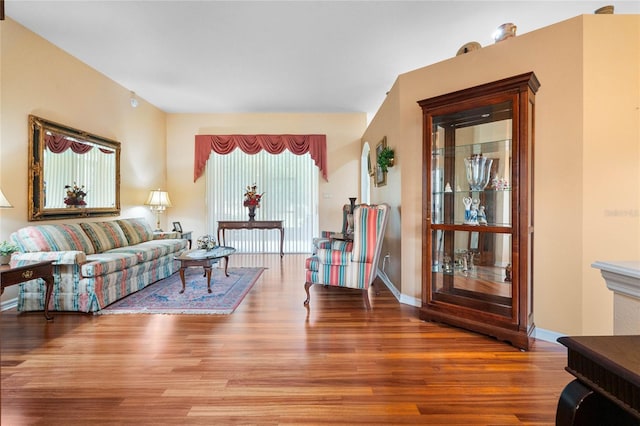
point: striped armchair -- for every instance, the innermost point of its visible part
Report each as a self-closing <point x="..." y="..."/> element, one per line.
<point x="353" y="265"/>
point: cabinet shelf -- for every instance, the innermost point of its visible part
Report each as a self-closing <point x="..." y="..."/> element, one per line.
<point x="460" y="226"/>
<point x="489" y="148"/>
<point x="468" y="192"/>
<point x="477" y="236"/>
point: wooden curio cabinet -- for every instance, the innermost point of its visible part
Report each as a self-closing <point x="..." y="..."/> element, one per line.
<point x="477" y="241"/>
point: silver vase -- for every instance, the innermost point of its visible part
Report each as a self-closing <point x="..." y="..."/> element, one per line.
<point x="478" y="171"/>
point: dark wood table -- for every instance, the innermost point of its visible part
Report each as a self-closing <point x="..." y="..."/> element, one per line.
<point x="223" y="225"/>
<point x="607" y="386"/>
<point x="22" y="271"/>
<point x="205" y="259"/>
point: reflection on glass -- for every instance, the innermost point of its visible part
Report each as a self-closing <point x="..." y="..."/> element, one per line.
<point x="474" y="266"/>
<point x="69" y="162"/>
<point x="471" y="166"/>
<point x="72" y="173"/>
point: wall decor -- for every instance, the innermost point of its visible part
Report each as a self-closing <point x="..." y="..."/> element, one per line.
<point x="72" y="173"/>
<point x="380" y="173"/>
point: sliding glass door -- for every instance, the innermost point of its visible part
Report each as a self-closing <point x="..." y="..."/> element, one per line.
<point x="290" y="186"/>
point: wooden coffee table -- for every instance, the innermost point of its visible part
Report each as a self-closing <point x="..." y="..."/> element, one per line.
<point x="206" y="259"/>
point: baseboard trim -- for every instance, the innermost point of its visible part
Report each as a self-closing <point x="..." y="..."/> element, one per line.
<point x="547" y="335"/>
<point x="402" y="298"/>
<point x="539" y="333"/>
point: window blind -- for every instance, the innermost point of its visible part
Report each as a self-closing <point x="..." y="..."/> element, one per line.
<point x="290" y="186"/>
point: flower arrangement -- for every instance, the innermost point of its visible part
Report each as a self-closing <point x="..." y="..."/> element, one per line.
<point x="206" y="242"/>
<point x="6" y="248"/>
<point x="75" y="195"/>
<point x="251" y="196"/>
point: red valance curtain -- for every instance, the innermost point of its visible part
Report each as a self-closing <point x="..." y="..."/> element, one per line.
<point x="315" y="145"/>
<point x="60" y="143"/>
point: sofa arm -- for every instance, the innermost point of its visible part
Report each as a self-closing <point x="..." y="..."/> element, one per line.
<point x="168" y="235"/>
<point x="70" y="257"/>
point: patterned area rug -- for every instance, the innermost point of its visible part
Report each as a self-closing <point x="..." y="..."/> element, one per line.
<point x="163" y="297"/>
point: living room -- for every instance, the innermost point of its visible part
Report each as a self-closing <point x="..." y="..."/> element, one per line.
<point x="570" y="295"/>
<point x="586" y="192"/>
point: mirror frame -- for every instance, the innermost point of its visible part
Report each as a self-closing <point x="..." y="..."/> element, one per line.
<point x="37" y="211"/>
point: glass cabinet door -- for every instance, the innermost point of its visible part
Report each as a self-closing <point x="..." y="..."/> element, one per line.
<point x="470" y="188"/>
<point x="477" y="236"/>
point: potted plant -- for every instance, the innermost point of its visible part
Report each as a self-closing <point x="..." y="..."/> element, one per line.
<point x="6" y="248"/>
<point x="386" y="158"/>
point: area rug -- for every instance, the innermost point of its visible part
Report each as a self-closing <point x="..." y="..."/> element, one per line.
<point x="164" y="296"/>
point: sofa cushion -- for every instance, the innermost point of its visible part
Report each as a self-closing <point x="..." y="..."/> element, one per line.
<point x="53" y="238"/>
<point x="105" y="235"/>
<point x="109" y="262"/>
<point x="150" y="250"/>
<point x="137" y="230"/>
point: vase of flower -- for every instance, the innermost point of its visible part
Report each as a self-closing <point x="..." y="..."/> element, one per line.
<point x="6" y="250"/>
<point x="252" y="200"/>
<point x="75" y="195"/>
<point x="252" y="213"/>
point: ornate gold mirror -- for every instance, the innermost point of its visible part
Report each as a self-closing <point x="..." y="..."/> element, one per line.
<point x="72" y="173"/>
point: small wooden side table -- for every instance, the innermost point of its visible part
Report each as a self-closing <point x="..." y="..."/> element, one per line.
<point x="607" y="385"/>
<point x="17" y="273"/>
<point x="186" y="235"/>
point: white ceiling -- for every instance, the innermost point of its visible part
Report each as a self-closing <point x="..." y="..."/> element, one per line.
<point x="276" y="56"/>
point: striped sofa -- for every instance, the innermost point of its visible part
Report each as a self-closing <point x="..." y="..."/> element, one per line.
<point x="95" y="263"/>
<point x="351" y="265"/>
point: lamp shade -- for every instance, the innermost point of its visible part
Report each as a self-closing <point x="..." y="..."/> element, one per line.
<point x="4" y="203"/>
<point x="158" y="199"/>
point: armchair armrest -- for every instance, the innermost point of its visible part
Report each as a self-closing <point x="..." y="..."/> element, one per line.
<point x="70" y="257"/>
<point x="333" y="257"/>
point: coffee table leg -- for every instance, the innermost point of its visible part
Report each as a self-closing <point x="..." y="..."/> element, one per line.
<point x="208" y="272"/>
<point x="182" y="278"/>
<point x="226" y="264"/>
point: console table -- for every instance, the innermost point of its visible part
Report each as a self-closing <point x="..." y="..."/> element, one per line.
<point x="607" y="385"/>
<point x="223" y="225"/>
<point x="26" y="271"/>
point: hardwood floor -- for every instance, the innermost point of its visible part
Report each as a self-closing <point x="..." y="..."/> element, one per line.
<point x="272" y="362"/>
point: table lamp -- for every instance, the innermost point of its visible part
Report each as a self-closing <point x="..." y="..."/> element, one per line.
<point x="158" y="201"/>
<point x="4" y="203"/>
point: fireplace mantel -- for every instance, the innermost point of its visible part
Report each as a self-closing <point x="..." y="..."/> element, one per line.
<point x="623" y="278"/>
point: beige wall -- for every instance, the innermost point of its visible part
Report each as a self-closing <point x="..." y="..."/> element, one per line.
<point x="343" y="151"/>
<point x="611" y="157"/>
<point x="38" y="78"/>
<point x="586" y="158"/>
<point x="387" y="123"/>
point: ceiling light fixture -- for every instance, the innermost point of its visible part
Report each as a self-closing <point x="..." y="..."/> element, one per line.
<point x="133" y="100"/>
